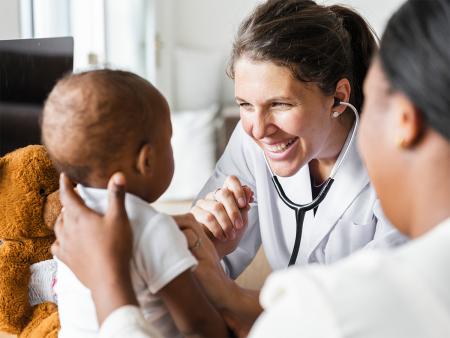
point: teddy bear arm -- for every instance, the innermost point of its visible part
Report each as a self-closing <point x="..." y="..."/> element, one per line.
<point x="14" y="278"/>
<point x="39" y="249"/>
<point x="44" y="322"/>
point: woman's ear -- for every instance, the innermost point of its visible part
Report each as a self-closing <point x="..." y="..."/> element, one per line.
<point x="409" y="121"/>
<point x="145" y="160"/>
<point x="342" y="93"/>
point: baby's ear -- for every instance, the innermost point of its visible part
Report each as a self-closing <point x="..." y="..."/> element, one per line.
<point x="146" y="159"/>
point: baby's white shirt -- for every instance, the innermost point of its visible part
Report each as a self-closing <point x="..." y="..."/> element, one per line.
<point x="160" y="254"/>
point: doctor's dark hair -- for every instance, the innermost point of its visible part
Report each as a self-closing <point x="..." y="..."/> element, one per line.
<point x="319" y="44"/>
<point x="415" y="55"/>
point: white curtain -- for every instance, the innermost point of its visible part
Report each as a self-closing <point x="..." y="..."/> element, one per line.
<point x="51" y="18"/>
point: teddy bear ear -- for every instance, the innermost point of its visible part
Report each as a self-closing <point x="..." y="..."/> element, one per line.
<point x="2" y="164"/>
<point x="2" y="169"/>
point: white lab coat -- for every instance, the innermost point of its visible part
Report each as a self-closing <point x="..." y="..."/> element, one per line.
<point x="349" y="218"/>
<point x="400" y="293"/>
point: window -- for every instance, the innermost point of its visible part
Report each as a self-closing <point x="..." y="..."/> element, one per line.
<point x="107" y="33"/>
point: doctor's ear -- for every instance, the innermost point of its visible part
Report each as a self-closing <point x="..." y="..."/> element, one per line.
<point x="145" y="160"/>
<point x="342" y="93"/>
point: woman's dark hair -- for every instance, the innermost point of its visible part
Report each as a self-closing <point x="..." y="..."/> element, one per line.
<point x="320" y="44"/>
<point x="415" y="55"/>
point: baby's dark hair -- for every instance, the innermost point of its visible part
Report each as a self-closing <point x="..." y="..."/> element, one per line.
<point x="92" y="120"/>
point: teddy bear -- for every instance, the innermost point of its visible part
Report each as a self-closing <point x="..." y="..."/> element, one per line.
<point x="29" y="206"/>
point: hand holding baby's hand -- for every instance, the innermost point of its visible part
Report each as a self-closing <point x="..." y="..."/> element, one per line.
<point x="224" y="213"/>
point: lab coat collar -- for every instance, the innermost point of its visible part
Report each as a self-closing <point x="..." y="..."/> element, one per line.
<point x="350" y="180"/>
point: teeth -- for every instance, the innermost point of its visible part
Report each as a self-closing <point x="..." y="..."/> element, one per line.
<point x="278" y="148"/>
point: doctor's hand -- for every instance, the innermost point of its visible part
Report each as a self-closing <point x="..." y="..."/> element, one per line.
<point x="224" y="213"/>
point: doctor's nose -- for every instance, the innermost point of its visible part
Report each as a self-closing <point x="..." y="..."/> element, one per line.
<point x="262" y="126"/>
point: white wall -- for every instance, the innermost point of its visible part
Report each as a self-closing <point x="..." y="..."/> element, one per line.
<point x="375" y="12"/>
<point x="165" y="40"/>
<point x="9" y="19"/>
<point x="212" y="25"/>
<point x="208" y="25"/>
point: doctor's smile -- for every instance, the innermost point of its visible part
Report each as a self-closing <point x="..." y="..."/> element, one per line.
<point x="279" y="150"/>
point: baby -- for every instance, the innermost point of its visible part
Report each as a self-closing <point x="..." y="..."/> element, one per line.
<point x="95" y="124"/>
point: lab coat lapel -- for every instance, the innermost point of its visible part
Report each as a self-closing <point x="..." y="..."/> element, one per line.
<point x="350" y="179"/>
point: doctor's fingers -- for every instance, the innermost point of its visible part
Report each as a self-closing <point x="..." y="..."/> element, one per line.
<point x="203" y="215"/>
<point x="244" y="214"/>
<point x="226" y="211"/>
<point x="233" y="184"/>
<point x="229" y="202"/>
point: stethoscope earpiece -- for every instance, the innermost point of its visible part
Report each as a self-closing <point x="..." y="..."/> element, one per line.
<point x="337" y="102"/>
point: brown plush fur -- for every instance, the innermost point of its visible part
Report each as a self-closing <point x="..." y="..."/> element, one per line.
<point x="44" y="322"/>
<point x="29" y="205"/>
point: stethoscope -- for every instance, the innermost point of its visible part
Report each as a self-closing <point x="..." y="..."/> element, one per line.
<point x="301" y="209"/>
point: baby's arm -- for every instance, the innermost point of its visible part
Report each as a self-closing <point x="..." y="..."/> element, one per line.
<point x="190" y="309"/>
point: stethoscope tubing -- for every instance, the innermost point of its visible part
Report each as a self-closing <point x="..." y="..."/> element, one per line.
<point x="301" y="209"/>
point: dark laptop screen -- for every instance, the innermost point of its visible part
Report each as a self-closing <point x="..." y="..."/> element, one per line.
<point x="29" y="68"/>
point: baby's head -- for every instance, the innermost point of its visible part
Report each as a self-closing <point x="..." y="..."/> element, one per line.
<point x="99" y="122"/>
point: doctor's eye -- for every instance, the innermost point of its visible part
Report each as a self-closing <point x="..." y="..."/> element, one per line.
<point x="281" y="104"/>
<point x="246" y="107"/>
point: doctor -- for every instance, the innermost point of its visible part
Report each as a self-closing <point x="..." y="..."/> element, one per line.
<point x="293" y="63"/>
